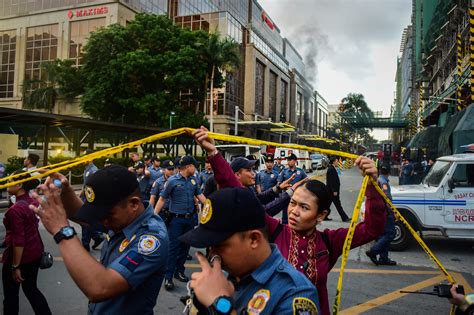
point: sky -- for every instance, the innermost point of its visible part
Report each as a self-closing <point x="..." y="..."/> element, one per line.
<point x="353" y="45"/>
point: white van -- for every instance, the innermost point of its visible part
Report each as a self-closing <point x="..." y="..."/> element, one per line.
<point x="443" y="202"/>
<point x="231" y="151"/>
<point x="304" y="159"/>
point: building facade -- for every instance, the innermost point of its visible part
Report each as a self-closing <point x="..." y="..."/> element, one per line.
<point x="270" y="85"/>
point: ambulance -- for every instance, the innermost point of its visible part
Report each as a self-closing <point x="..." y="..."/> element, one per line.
<point x="443" y="202"/>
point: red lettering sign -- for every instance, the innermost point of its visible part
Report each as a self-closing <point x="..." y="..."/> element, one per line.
<point x="464" y="218"/>
<point x="88" y="12"/>
<point x="267" y="20"/>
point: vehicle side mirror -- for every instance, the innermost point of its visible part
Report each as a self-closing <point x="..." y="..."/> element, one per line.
<point x="451" y="185"/>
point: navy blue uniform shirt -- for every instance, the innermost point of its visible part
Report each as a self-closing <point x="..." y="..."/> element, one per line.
<point x="157" y="187"/>
<point x="287" y="172"/>
<point x="139" y="254"/>
<point x="276" y="287"/>
<point x="267" y="179"/>
<point x="181" y="192"/>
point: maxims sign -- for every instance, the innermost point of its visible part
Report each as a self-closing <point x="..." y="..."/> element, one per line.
<point x="87" y="12"/>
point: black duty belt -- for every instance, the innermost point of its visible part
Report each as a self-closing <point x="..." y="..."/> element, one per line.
<point x="182" y="215"/>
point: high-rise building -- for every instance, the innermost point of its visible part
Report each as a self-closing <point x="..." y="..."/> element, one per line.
<point x="270" y="85"/>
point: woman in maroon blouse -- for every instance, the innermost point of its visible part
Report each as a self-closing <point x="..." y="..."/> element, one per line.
<point x="309" y="250"/>
<point x="22" y="253"/>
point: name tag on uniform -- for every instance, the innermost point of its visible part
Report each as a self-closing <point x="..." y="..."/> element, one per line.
<point x="298" y="172"/>
<point x="272" y="176"/>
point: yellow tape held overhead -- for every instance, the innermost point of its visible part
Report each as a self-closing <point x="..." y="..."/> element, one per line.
<point x="176" y="132"/>
<point x="413" y="233"/>
<point x="347" y="244"/>
<point x="98" y="154"/>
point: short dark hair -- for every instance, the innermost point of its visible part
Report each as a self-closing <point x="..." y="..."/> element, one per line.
<point x="321" y="192"/>
<point x="332" y="159"/>
<point x="385" y="170"/>
<point x="33" y="158"/>
<point x="28" y="185"/>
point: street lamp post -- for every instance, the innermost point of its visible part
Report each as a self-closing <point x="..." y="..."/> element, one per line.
<point x="172" y="114"/>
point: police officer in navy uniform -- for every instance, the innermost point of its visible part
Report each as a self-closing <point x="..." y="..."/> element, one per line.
<point x="143" y="180"/>
<point x="278" y="166"/>
<point x="155" y="170"/>
<point x="267" y="178"/>
<point x="205" y="174"/>
<point x="128" y="277"/>
<point x="159" y="185"/>
<point x="261" y="280"/>
<point x="180" y="190"/>
<point x="292" y="169"/>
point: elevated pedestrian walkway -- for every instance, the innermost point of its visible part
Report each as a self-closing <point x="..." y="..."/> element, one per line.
<point x="374" y="120"/>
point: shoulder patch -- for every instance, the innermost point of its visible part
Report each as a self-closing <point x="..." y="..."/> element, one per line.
<point x="131" y="260"/>
<point x="206" y="212"/>
<point x="304" y="306"/>
<point x="193" y="182"/>
<point x="148" y="244"/>
<point x="258" y="302"/>
<point x="125" y="243"/>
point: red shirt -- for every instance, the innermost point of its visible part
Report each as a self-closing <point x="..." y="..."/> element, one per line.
<point x="21" y="225"/>
<point x="365" y="232"/>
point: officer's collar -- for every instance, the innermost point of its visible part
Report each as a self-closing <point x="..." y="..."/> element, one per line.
<point x="265" y="270"/>
<point x="130" y="230"/>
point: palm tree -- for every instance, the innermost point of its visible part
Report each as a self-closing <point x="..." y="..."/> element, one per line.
<point x="59" y="79"/>
<point x="221" y="55"/>
<point x="356" y="107"/>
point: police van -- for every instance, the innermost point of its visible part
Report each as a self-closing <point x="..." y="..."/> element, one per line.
<point x="443" y="202"/>
<point x="232" y="151"/>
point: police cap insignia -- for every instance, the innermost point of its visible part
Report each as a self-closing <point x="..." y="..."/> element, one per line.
<point x="258" y="302"/>
<point x="305" y="306"/>
<point x="206" y="212"/>
<point x="171" y="163"/>
<point x="89" y="193"/>
<point x="148" y="244"/>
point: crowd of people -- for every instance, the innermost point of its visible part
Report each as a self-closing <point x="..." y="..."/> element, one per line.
<point x="146" y="218"/>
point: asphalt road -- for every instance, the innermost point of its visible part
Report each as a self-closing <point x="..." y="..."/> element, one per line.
<point x="367" y="288"/>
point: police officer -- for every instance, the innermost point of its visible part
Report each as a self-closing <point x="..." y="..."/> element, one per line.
<point x="89" y="233"/>
<point x="292" y="169"/>
<point x="267" y="178"/>
<point x="155" y="170"/>
<point x="205" y="174"/>
<point x="278" y="166"/>
<point x="233" y="227"/>
<point x="143" y="180"/>
<point x="128" y="277"/>
<point x="180" y="190"/>
<point x="159" y="186"/>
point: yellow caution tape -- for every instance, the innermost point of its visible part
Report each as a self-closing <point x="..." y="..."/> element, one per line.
<point x="242" y="140"/>
<point x="95" y="155"/>
<point x="413" y="233"/>
<point x="347" y="244"/>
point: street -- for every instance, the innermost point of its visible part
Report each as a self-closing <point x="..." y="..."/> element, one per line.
<point x="367" y="288"/>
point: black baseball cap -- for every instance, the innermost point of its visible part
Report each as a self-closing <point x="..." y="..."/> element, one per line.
<point x="168" y="164"/>
<point x="187" y="160"/>
<point x="155" y="158"/>
<point x="105" y="189"/>
<point x="225" y="212"/>
<point x="139" y="164"/>
<point x="241" y="162"/>
<point x="269" y="158"/>
<point x="292" y="156"/>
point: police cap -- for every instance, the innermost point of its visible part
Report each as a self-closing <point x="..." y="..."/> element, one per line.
<point x="225" y="212"/>
<point x="168" y="164"/>
<point x="105" y="189"/>
<point x="241" y="162"/>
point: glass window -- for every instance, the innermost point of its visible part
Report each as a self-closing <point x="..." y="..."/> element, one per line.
<point x="79" y="32"/>
<point x="259" y="87"/>
<point x="7" y="62"/>
<point x="436" y="173"/>
<point x="40" y="47"/>
<point x="21" y="7"/>
<point x="464" y="175"/>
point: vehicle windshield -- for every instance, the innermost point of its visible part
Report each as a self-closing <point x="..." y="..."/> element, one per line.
<point x="436" y="173"/>
<point x="316" y="156"/>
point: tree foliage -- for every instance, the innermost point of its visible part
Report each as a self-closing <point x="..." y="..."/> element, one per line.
<point x="59" y="79"/>
<point x="136" y="73"/>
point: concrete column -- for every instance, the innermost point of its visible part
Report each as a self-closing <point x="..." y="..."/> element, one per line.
<point x="20" y="55"/>
<point x="249" y="81"/>
<point x="278" y="99"/>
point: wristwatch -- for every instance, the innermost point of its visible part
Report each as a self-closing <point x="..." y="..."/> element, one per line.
<point x="15" y="267"/>
<point x="65" y="233"/>
<point x="222" y="305"/>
